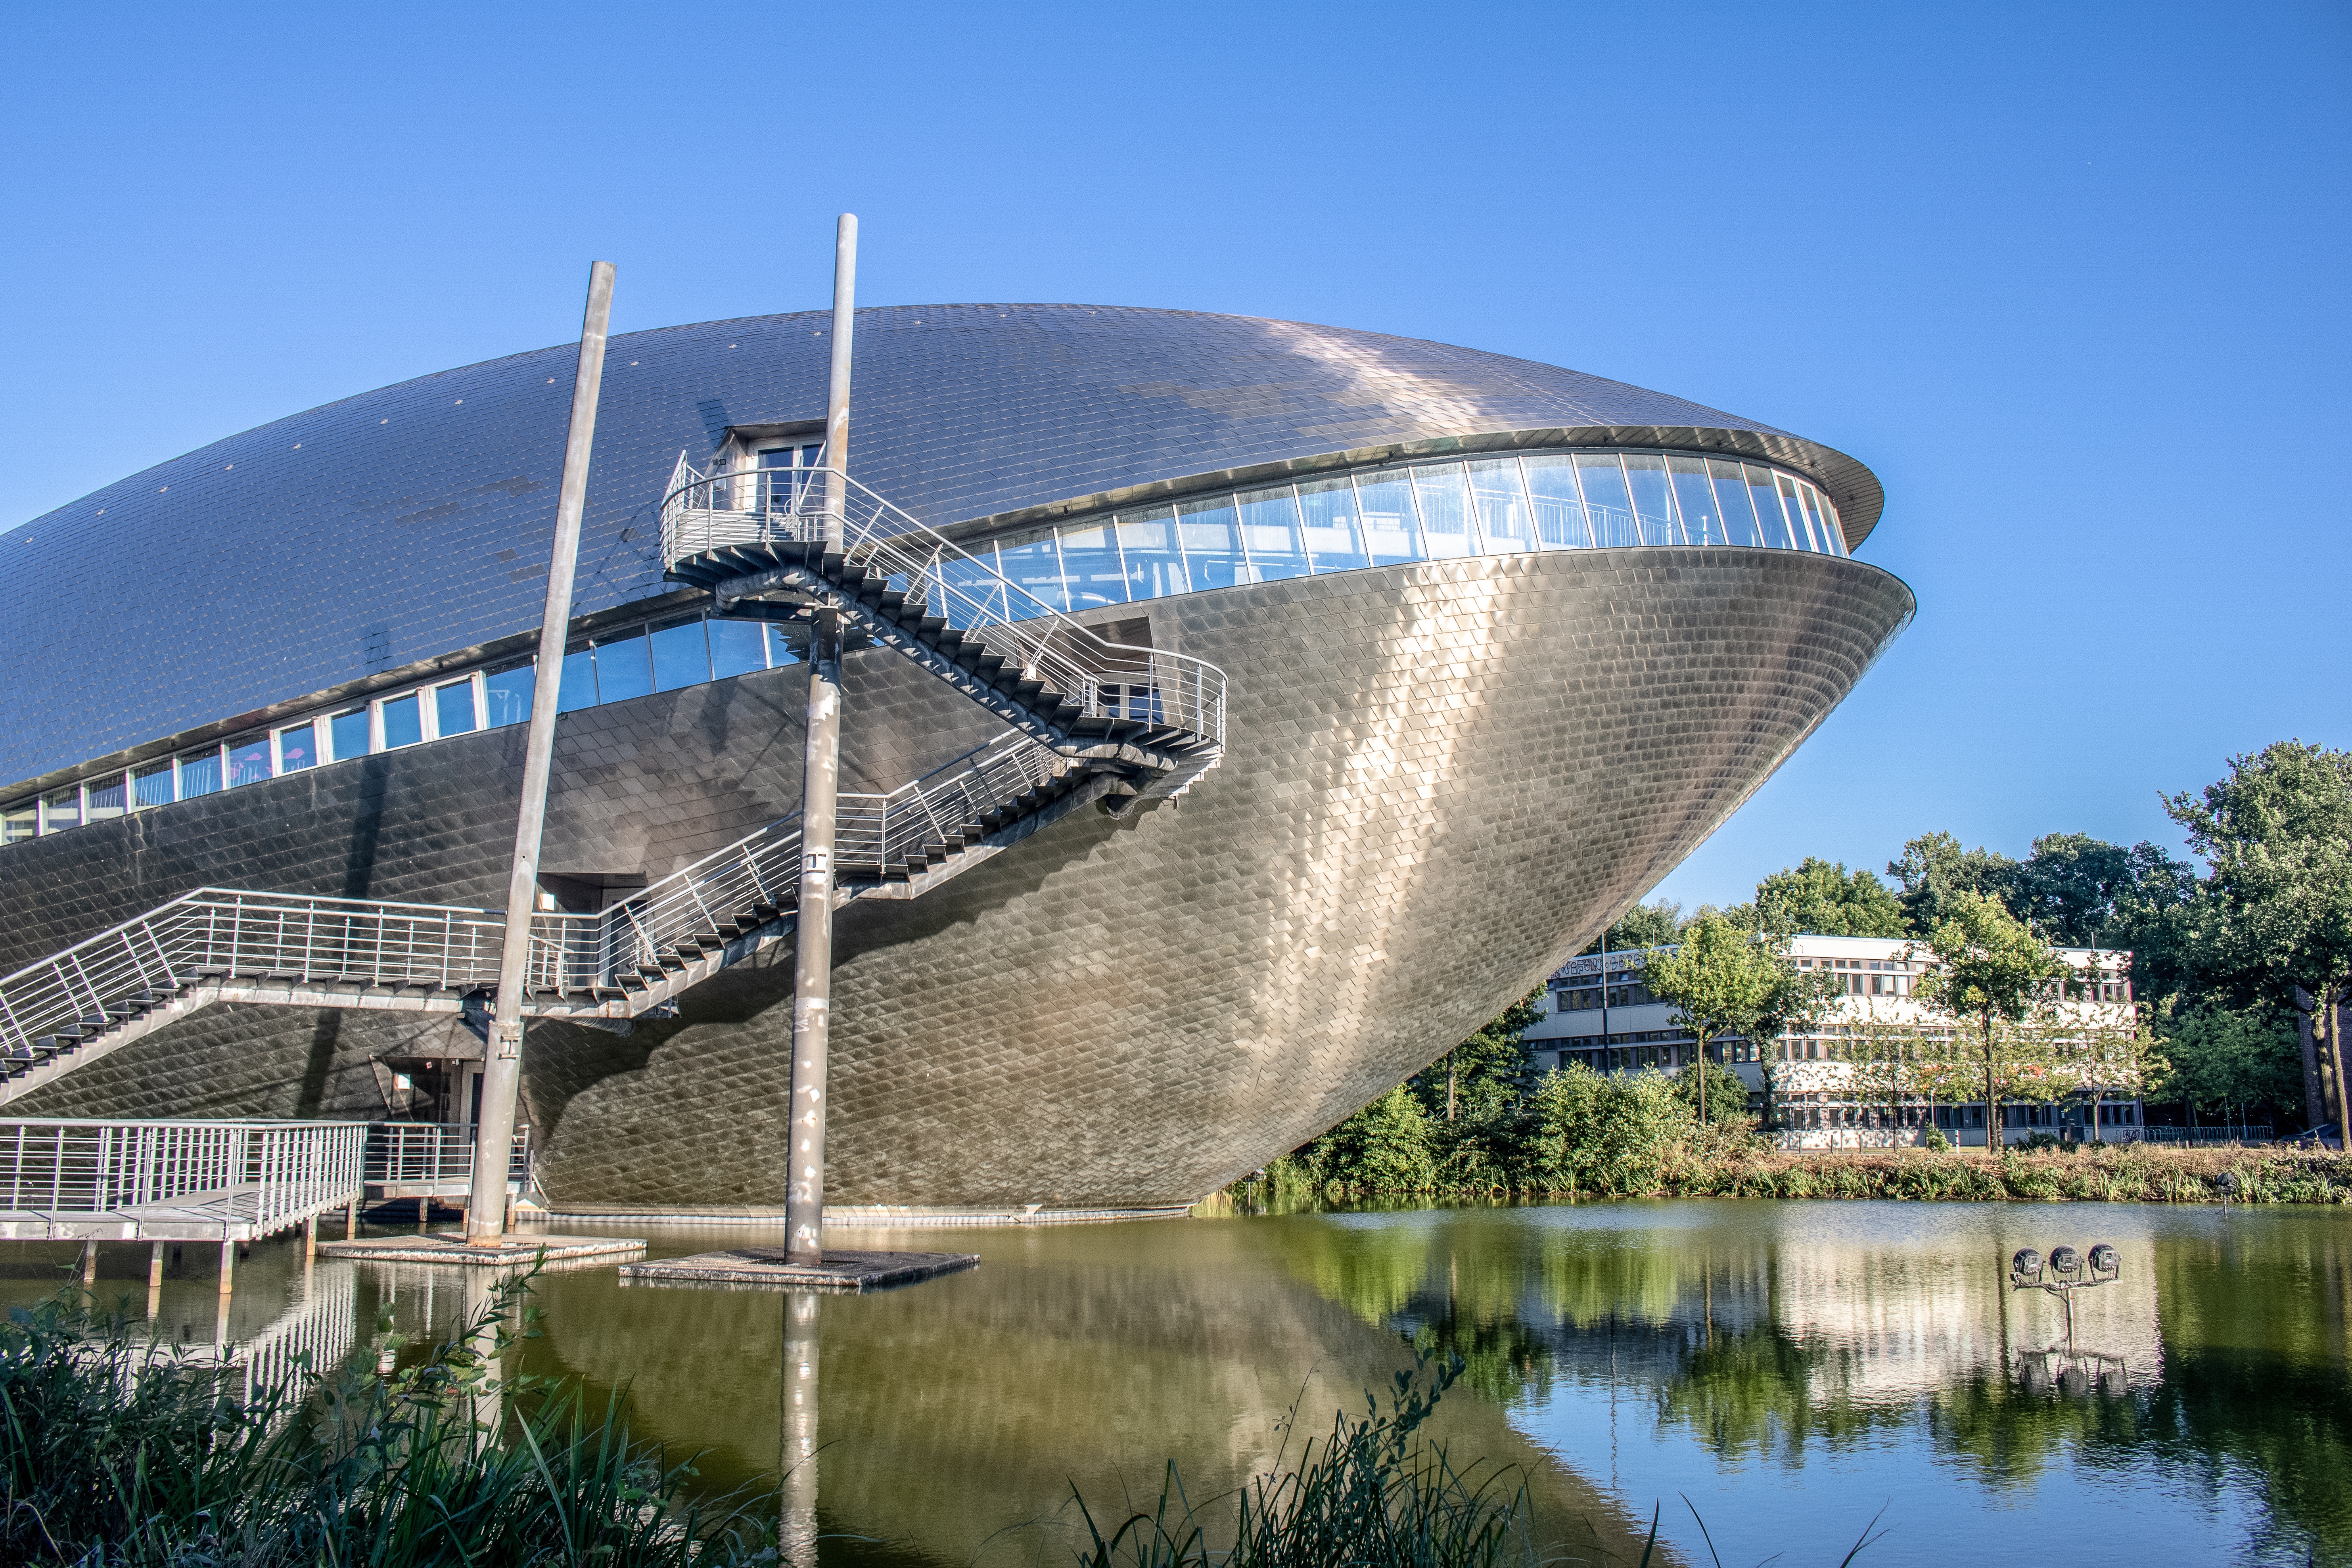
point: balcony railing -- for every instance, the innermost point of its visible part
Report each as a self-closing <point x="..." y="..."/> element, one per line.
<point x="426" y="1154"/>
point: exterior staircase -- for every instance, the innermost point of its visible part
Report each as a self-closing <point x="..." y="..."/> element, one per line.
<point x="1091" y="721"/>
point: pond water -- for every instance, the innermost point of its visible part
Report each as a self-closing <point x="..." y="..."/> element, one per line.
<point x="1786" y="1371"/>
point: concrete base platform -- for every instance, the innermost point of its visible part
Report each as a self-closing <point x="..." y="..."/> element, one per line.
<point x="764" y="1268"/>
<point x="516" y="1250"/>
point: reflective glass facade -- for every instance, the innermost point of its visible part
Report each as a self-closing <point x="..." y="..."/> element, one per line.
<point x="628" y="661"/>
<point x="1416" y="511"/>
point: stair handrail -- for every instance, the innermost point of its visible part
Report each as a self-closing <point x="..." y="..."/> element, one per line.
<point x="705" y="513"/>
<point x="876" y="836"/>
<point x="237" y="934"/>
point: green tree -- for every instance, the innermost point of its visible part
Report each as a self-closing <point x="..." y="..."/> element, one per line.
<point x="1993" y="970"/>
<point x="1494" y="1057"/>
<point x="1594" y="1133"/>
<point x="1824" y="897"/>
<point x="1933" y="869"/>
<point x="1643" y="925"/>
<point x="1383" y="1148"/>
<point x="2228" y="1055"/>
<point x="1719" y="980"/>
<point x="2276" y="909"/>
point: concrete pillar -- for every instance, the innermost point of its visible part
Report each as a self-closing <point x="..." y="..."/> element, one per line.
<point x="813" y="953"/>
<point x="89" y="1263"/>
<point x="309" y="1238"/>
<point x="154" y="1279"/>
<point x="820" y="781"/>
<point x="502" y="1063"/>
<point x="352" y="1220"/>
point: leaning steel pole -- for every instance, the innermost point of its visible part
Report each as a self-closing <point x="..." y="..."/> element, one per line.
<point x="820" y="781"/>
<point x="486" y="1209"/>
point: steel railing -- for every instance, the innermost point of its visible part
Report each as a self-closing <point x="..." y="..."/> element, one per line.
<point x="421" y="1152"/>
<point x="268" y="1175"/>
<point x="2260" y="1134"/>
<point x="706" y="512"/>
<point x="215" y="932"/>
<point x="235" y="937"/>
<point x="876" y="838"/>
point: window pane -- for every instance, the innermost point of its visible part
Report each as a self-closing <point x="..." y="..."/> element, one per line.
<point x="61" y="810"/>
<point x="150" y="784"/>
<point x="1392" y="528"/>
<point x="297" y="748"/>
<point x="1560" y="513"/>
<point x="349" y="731"/>
<point x="1828" y="542"/>
<point x="578" y="688"/>
<point x="780" y="651"/>
<point x="1694" y="499"/>
<point x="1607" y="503"/>
<point x="20" y="823"/>
<point x="1210" y="533"/>
<point x="1270" y="530"/>
<point x="1090" y="567"/>
<point x="506" y="693"/>
<point x="1801" y="528"/>
<point x="1444" y="511"/>
<point x="621" y="668"/>
<point x="200" y="773"/>
<point x="681" y="655"/>
<point x="453" y="708"/>
<point x="1147" y="540"/>
<point x="248" y="759"/>
<point x="1502" y="506"/>
<point x="1768" y="516"/>
<point x="1333" y="542"/>
<point x="967" y="593"/>
<point x="1731" y="499"/>
<point x="103" y="797"/>
<point x="1654" y="498"/>
<point x="1033" y="564"/>
<point x="403" y="722"/>
<point x="736" y="647"/>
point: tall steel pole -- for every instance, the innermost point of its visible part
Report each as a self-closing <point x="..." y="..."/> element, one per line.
<point x="820" y="781"/>
<point x="486" y="1210"/>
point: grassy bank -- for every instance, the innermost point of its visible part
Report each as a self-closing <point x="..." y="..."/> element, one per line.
<point x="1734" y="1167"/>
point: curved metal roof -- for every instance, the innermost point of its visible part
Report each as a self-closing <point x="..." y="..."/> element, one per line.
<point x="413" y="521"/>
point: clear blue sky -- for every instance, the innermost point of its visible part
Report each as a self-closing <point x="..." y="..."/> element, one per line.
<point x="2073" y="280"/>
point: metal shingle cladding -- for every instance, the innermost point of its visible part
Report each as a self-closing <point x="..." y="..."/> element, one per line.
<point x="415" y="520"/>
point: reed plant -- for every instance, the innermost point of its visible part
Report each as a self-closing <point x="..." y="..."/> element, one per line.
<point x="115" y="1451"/>
<point x="1372" y="1493"/>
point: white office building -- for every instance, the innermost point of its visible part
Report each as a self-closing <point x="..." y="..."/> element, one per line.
<point x="1598" y="1013"/>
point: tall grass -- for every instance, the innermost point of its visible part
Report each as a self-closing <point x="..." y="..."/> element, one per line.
<point x="1372" y="1493"/>
<point x="119" y="1452"/>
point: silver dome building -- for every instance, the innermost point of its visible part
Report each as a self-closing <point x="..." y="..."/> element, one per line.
<point x="1502" y="644"/>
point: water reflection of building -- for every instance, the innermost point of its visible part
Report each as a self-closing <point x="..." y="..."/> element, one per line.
<point x="1598" y="1014"/>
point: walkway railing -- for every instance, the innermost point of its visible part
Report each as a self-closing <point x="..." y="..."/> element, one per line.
<point x="267" y="1175"/>
<point x="419" y="1152"/>
<point x="707" y="513"/>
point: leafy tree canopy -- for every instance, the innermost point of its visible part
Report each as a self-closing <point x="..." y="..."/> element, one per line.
<point x="1822" y="896"/>
<point x="1933" y="869"/>
<point x="2275" y="914"/>
<point x="1643" y="925"/>
<point x="2221" y="1055"/>
<point x="1992" y="964"/>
